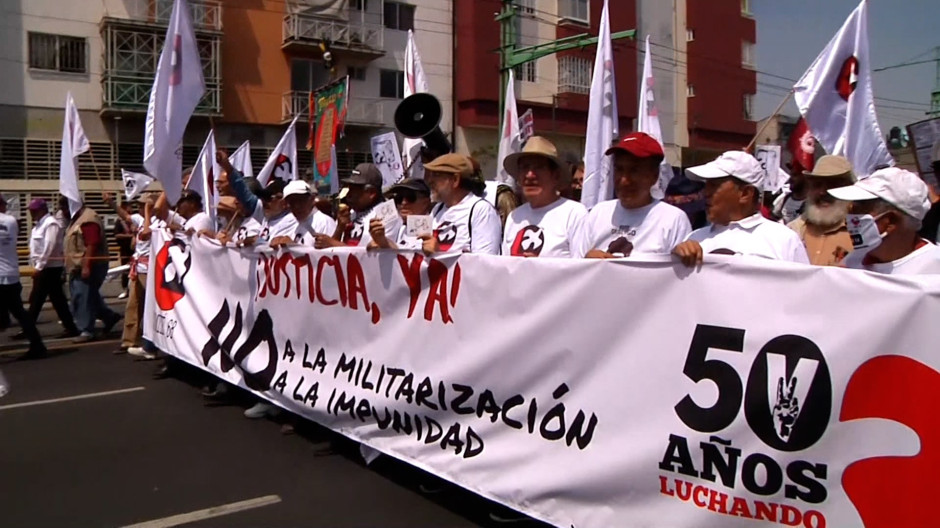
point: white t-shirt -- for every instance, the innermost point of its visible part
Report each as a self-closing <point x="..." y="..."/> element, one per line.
<point x="404" y="241"/>
<point x="284" y="224"/>
<point x="9" y="266"/>
<point x="547" y="231"/>
<point x="45" y="244"/>
<point x="357" y="234"/>
<point x="317" y="223"/>
<point x="755" y="236"/>
<point x="199" y="222"/>
<point x="249" y="228"/>
<point x="651" y="230"/>
<point x="142" y="247"/>
<point x="924" y="260"/>
<point x="471" y="226"/>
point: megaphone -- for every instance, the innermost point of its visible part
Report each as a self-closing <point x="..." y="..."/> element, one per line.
<point x="419" y="116"/>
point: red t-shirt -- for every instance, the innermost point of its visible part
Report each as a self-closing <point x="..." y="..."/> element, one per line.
<point x="91" y="232"/>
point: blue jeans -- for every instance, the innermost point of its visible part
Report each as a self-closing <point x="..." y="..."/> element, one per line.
<point x="86" y="303"/>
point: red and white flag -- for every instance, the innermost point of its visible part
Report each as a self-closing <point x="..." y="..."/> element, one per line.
<point x="509" y="136"/>
<point x="177" y="89"/>
<point x="836" y="99"/>
<point x="648" y="121"/>
<point x="282" y="163"/>
<point x="415" y="82"/>
<point x="74" y="143"/>
<point x="802" y="148"/>
<point x="202" y="180"/>
<point x="603" y="125"/>
<point x="241" y="160"/>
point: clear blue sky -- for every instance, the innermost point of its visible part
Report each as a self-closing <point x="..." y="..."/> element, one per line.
<point x="791" y="33"/>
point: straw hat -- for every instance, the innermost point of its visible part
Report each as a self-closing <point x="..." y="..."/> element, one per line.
<point x="536" y="145"/>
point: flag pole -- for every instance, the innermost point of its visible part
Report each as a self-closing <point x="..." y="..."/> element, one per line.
<point x="94" y="167"/>
<point x="750" y="146"/>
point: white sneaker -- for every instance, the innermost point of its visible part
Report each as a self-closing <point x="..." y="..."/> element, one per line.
<point x="260" y="410"/>
<point x="123" y="295"/>
<point x="141" y="353"/>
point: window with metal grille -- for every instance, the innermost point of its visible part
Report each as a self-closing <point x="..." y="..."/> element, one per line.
<point x="356" y="73"/>
<point x="749" y="107"/>
<point x="526" y="72"/>
<point x="58" y="53"/>
<point x="392" y="84"/>
<point x="574" y="75"/>
<point x="526" y="7"/>
<point x="574" y="10"/>
<point x="747" y="54"/>
<point x="399" y="16"/>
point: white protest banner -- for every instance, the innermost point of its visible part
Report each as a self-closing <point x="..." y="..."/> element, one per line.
<point x="769" y="158"/>
<point x="705" y="405"/>
<point x="526" y="126"/>
<point x="387" y="158"/>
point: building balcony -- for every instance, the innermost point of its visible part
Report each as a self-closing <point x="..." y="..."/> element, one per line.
<point x="361" y="111"/>
<point x="206" y="15"/>
<point x="302" y="34"/>
<point x="131" y="94"/>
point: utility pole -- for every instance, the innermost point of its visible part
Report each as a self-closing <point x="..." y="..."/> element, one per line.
<point x="512" y="56"/>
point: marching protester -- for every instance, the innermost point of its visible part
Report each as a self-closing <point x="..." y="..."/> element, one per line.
<point x="575" y="166"/>
<point x="10" y="287"/>
<point x="463" y="220"/>
<point x="132" y="338"/>
<point x="930" y="226"/>
<point x="47" y="259"/>
<point x="236" y="223"/>
<point x="364" y="186"/>
<point x="189" y="217"/>
<point x="788" y="204"/>
<point x="86" y="260"/>
<point x="733" y="184"/>
<point x="633" y="223"/>
<point x="821" y="226"/>
<point x="124" y="234"/>
<point x="547" y="223"/>
<point x="885" y="214"/>
<point x="312" y="224"/>
<point x="267" y="205"/>
<point x="412" y="197"/>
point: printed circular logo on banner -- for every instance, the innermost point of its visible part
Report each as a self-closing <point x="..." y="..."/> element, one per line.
<point x="848" y="78"/>
<point x="529" y="241"/>
<point x="788" y="399"/>
<point x="168" y="283"/>
<point x="446" y="235"/>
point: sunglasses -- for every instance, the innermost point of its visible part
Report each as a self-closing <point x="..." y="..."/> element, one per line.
<point x="406" y="194"/>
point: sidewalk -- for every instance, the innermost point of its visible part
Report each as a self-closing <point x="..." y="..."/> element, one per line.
<point x="48" y="326"/>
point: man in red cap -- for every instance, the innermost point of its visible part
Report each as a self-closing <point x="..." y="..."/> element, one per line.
<point x="633" y="223"/>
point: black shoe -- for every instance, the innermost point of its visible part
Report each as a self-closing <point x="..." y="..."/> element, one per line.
<point x="162" y="372"/>
<point x="19" y="336"/>
<point x="40" y="353"/>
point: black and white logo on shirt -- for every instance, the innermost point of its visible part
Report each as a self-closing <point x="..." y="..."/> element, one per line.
<point x="529" y="241"/>
<point x="446" y="235"/>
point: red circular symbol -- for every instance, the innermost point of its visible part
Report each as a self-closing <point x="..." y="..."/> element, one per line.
<point x="848" y="78"/>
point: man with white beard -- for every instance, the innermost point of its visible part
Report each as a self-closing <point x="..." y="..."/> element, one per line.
<point x="821" y="226"/>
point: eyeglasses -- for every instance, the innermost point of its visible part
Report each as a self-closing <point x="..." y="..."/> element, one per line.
<point x="405" y="194"/>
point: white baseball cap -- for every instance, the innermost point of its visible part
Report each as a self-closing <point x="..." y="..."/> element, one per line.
<point x="734" y="163"/>
<point x="900" y="188"/>
<point x="297" y="187"/>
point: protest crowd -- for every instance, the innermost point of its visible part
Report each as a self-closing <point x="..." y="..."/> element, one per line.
<point x="877" y="218"/>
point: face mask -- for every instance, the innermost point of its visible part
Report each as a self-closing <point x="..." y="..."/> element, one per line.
<point x="864" y="231"/>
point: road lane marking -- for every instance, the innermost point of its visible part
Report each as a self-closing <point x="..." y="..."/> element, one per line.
<point x="69" y="398"/>
<point x="208" y="513"/>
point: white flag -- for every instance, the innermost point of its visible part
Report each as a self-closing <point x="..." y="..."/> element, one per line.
<point x="74" y="143"/>
<point x="282" y="163"/>
<point x="648" y="121"/>
<point x="202" y="181"/>
<point x="241" y="160"/>
<point x="135" y="183"/>
<point x="602" y="126"/>
<point x="177" y="89"/>
<point x="836" y="99"/>
<point x="509" y="135"/>
<point x="415" y="82"/>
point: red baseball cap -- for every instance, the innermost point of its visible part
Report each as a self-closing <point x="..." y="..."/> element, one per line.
<point x="640" y="144"/>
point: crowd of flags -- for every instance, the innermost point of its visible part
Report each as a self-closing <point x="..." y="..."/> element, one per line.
<point x="834" y="97"/>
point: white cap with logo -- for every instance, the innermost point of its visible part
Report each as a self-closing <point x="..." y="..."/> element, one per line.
<point x="297" y="187"/>
<point x="734" y="163"/>
<point x="900" y="188"/>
